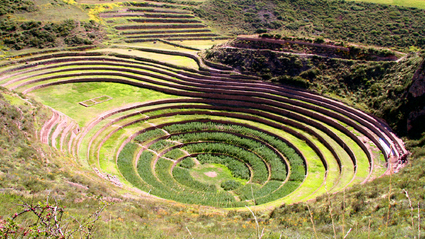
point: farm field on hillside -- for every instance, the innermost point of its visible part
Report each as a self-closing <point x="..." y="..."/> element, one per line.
<point x="162" y="111"/>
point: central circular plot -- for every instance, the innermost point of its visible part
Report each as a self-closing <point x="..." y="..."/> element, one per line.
<point x="212" y="174"/>
<point x="211" y="163"/>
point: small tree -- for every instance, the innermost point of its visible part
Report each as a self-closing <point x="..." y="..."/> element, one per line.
<point x="47" y="220"/>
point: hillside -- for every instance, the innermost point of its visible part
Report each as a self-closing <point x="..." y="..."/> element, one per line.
<point x="366" y="23"/>
<point x="383" y="87"/>
<point x="39" y="31"/>
<point x="115" y="123"/>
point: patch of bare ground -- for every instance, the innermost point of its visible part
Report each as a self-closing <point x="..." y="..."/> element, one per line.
<point x="211" y="174"/>
<point x="77" y="185"/>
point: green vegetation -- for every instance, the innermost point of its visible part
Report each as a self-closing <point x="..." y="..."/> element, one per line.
<point x="66" y="98"/>
<point x="177" y="138"/>
<point x="174" y="154"/>
<point x="186" y="163"/>
<point x="378" y="86"/>
<point x="267" y="159"/>
<point x="405" y="3"/>
<point x="144" y="22"/>
<point x="125" y="165"/>
<point x="232" y="163"/>
<point x="19" y="145"/>
<point x="9" y="6"/>
<point x="381" y="208"/>
<point x="367" y="23"/>
<point x="258" y="166"/>
<point x="148" y="135"/>
<point x="278" y="167"/>
<point x="161" y="145"/>
<point x="238" y="169"/>
<point x="183" y="177"/>
<point x="230" y="185"/>
<point x="291" y="155"/>
<point x="213" y="174"/>
<point x="44" y="24"/>
<point x="37" y="34"/>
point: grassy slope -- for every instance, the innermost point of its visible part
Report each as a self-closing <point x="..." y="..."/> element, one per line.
<point x="366" y="23"/>
<point x="388" y="207"/>
<point x="47" y="24"/>
<point x="52" y="11"/>
<point x="378" y="87"/>
<point x="405" y="3"/>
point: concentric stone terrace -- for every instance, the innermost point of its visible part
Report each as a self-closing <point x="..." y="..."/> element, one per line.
<point x="200" y="133"/>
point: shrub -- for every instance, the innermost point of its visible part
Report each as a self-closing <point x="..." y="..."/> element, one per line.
<point x="187" y="163"/>
<point x="319" y="40"/>
<point x="230" y="185"/>
<point x="419" y="152"/>
<point x="266" y="35"/>
<point x="261" y="30"/>
<point x="294" y="81"/>
<point x="293" y="26"/>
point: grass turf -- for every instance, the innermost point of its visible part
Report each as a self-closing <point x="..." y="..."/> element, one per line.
<point x="65" y="98"/>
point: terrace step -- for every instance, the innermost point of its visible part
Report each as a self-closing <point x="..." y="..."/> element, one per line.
<point x="157" y="10"/>
<point x="164" y="31"/>
<point x="163" y="20"/>
<point x="132" y="15"/>
<point x="168" y="36"/>
<point x="154" y="4"/>
<point x="65" y="135"/>
<point x="167" y="23"/>
<point x="62" y="124"/>
<point x="160" y="26"/>
<point x="176" y="39"/>
<point x="44" y="132"/>
<point x="60" y="127"/>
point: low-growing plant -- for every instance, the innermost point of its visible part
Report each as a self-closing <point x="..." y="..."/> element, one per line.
<point x="187" y="163"/>
<point x="256" y="163"/>
<point x="125" y="164"/>
<point x="230" y="185"/>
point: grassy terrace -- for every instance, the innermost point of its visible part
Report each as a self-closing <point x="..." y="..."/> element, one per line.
<point x="174" y="126"/>
<point x="152" y="22"/>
